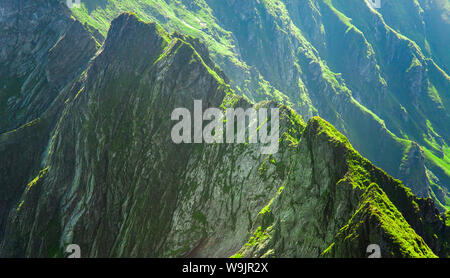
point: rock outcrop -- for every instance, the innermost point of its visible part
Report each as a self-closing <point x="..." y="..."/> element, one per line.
<point x="377" y="75"/>
<point x="109" y="178"/>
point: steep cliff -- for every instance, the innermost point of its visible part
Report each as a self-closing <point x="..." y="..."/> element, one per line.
<point x="109" y="178"/>
<point x="377" y="75"/>
<point x="41" y="51"/>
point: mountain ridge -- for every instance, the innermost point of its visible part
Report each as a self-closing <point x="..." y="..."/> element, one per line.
<point x="206" y="201"/>
<point x="385" y="89"/>
<point x="96" y="165"/>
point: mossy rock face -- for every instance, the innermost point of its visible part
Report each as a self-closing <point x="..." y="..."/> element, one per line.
<point x="376" y="220"/>
<point x="39" y="56"/>
<point x="332" y="59"/>
<point x="115" y="184"/>
<point x="330" y="206"/>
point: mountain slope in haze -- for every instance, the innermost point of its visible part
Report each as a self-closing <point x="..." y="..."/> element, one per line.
<point x="379" y="76"/>
<point x="112" y="181"/>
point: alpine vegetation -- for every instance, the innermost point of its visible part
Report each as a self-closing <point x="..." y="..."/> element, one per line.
<point x="211" y="129"/>
<point x="236" y="120"/>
